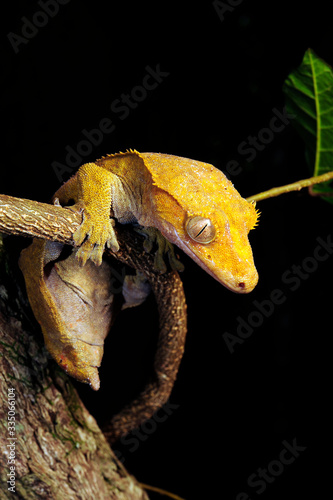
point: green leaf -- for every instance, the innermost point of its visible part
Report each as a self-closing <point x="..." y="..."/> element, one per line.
<point x="309" y="96"/>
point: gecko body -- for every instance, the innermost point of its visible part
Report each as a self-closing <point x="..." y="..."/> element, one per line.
<point x="192" y="204"/>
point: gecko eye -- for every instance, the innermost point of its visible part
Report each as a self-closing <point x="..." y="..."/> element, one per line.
<point x="200" y="229"/>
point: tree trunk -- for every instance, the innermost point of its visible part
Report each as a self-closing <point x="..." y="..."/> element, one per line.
<point x="55" y="450"/>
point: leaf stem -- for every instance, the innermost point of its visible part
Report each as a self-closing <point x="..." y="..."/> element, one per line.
<point x="295" y="186"/>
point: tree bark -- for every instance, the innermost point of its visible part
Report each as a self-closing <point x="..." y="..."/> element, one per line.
<point x="57" y="450"/>
<point x="32" y="218"/>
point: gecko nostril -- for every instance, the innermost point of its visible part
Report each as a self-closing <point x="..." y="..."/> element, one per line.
<point x="241" y="285"/>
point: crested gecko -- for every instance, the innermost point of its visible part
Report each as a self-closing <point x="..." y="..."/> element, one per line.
<point x="192" y="204"/>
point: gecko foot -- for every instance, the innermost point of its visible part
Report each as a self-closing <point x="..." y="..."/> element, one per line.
<point x="92" y="236"/>
<point x="164" y="248"/>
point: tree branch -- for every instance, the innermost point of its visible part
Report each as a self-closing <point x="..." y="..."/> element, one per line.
<point x="31" y="218"/>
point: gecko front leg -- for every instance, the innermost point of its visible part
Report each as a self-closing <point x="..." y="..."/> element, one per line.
<point x="91" y="190"/>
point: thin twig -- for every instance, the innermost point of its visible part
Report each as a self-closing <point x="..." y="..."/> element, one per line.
<point x="295" y="186"/>
<point x="160" y="491"/>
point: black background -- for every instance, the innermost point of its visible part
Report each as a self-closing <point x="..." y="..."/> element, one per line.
<point x="232" y="411"/>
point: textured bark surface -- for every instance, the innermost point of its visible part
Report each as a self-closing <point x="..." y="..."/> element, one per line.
<point x="59" y="450"/>
<point x="31" y="218"/>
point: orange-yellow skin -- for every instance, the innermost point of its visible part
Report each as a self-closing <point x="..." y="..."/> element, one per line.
<point x="163" y="191"/>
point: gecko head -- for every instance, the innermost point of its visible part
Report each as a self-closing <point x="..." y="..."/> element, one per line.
<point x="219" y="244"/>
<point x="215" y="237"/>
<point x="198" y="209"/>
